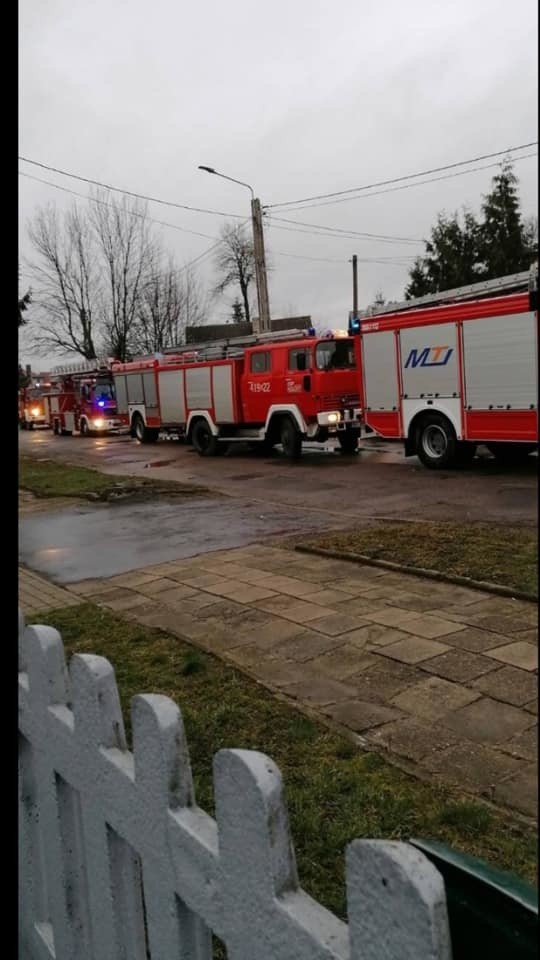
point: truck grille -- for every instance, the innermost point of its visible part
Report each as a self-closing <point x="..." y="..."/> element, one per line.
<point x="339" y="400"/>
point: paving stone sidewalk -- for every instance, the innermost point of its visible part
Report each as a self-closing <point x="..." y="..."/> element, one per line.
<point x="36" y="595"/>
<point x="440" y="676"/>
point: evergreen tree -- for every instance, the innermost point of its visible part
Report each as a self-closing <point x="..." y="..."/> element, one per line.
<point x="237" y="312"/>
<point x="505" y="243"/>
<point x="451" y="256"/>
<point x="460" y="253"/>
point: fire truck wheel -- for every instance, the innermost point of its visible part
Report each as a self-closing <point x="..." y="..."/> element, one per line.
<point x="204" y="441"/>
<point x="436" y="444"/>
<point x="290" y="439"/>
<point x="143" y="434"/>
<point x="348" y="442"/>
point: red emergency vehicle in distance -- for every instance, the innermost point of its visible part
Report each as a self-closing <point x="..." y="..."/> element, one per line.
<point x="449" y="371"/>
<point x="267" y="389"/>
<point x="82" y="400"/>
<point x="32" y="407"/>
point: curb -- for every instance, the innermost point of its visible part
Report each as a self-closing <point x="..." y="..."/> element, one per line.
<point x="486" y="587"/>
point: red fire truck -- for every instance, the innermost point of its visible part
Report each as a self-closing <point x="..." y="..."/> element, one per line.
<point x="267" y="389"/>
<point x="32" y="408"/>
<point x="82" y="400"/>
<point x="449" y="371"/>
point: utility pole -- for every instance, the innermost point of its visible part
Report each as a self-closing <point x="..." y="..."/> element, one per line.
<point x="355" y="286"/>
<point x="263" y="320"/>
<point x="260" y="267"/>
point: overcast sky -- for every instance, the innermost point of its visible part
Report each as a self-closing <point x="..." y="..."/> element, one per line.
<point x="298" y="98"/>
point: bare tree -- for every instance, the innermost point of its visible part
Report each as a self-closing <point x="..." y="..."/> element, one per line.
<point x="235" y="261"/>
<point x="123" y="236"/>
<point x="24" y="301"/>
<point x="67" y="282"/>
<point x="196" y="301"/>
<point x="102" y="281"/>
<point x="160" y="321"/>
<point x="171" y="299"/>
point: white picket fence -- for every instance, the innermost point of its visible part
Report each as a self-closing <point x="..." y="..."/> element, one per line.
<point x="117" y="861"/>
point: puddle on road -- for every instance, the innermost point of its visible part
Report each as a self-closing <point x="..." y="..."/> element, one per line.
<point x="101" y="541"/>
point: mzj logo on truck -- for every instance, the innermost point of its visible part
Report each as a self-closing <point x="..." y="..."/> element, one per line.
<point x="429" y="357"/>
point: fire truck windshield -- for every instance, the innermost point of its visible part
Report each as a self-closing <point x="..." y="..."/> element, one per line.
<point x="104" y="390"/>
<point x="335" y="355"/>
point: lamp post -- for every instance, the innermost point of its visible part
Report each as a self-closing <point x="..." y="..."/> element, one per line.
<point x="258" y="251"/>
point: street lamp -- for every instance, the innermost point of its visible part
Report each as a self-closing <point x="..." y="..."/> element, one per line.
<point x="258" y="250"/>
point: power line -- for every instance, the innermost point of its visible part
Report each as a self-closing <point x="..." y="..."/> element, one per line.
<point x="105" y="203"/>
<point x="131" y="193"/>
<point x="218" y="242"/>
<point x="336" y="234"/>
<point x="133" y="213"/>
<point x="410" y="176"/>
<point x="350" y="233"/>
<point x="406" y="186"/>
<point x="387" y="261"/>
<point x="328" y="236"/>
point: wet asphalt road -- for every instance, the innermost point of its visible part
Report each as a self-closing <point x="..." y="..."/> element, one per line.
<point x="379" y="481"/>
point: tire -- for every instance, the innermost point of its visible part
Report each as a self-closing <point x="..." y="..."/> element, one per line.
<point x="141" y="433"/>
<point x="511" y="454"/>
<point x="204" y="441"/>
<point x="290" y="439"/>
<point x="436" y="443"/>
<point x="348" y="442"/>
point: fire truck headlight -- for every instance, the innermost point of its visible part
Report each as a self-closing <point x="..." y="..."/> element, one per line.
<point x="35" y="411"/>
<point x="333" y="417"/>
<point x="98" y="422"/>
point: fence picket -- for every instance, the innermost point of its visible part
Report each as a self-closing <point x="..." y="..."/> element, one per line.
<point x="132" y="868"/>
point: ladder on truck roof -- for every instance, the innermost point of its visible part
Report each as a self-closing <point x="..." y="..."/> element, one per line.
<point x="515" y="282"/>
<point x="232" y="347"/>
<point x="99" y="365"/>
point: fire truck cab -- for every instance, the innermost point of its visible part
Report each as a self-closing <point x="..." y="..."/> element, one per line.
<point x="83" y="401"/>
<point x="266" y="390"/>
<point x="32" y="407"/>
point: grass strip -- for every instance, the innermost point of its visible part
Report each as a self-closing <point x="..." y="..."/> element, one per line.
<point x="503" y="555"/>
<point x="49" y="478"/>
